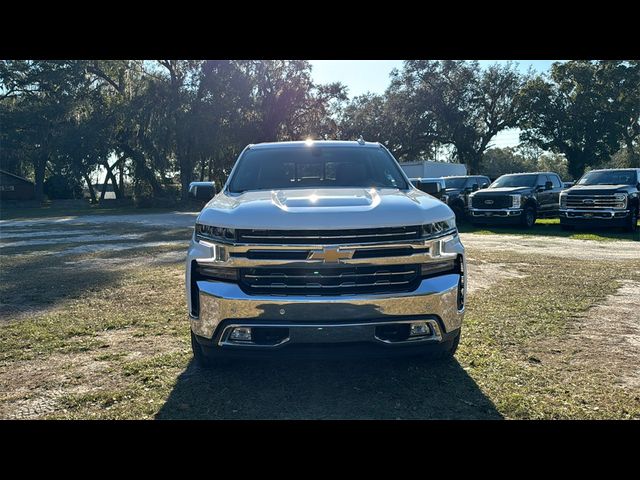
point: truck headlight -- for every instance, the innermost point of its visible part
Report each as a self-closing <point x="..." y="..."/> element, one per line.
<point x="516" y="201"/>
<point x="563" y="200"/>
<point x="439" y="229"/>
<point x="621" y="200"/>
<point x="214" y="234"/>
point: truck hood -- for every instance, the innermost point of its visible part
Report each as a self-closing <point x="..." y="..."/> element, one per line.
<point x="598" y="189"/>
<point x="502" y="190"/>
<point x="331" y="208"/>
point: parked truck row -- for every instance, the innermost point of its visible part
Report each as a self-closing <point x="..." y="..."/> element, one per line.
<point x="600" y="198"/>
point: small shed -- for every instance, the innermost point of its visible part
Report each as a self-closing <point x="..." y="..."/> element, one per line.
<point x="14" y="187"/>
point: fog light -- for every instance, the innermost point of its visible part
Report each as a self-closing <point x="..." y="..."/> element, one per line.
<point x="242" y="334"/>
<point x="419" y="329"/>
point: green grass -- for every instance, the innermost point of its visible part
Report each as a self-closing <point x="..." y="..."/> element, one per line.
<point x="123" y="342"/>
<point x="551" y="227"/>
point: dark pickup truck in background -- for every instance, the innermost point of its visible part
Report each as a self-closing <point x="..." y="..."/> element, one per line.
<point x="458" y="189"/>
<point x="517" y="199"/>
<point x="602" y="198"/>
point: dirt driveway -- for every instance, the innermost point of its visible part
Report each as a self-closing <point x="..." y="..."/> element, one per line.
<point x="92" y="312"/>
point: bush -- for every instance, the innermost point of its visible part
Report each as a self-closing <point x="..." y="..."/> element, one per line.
<point x="61" y="187"/>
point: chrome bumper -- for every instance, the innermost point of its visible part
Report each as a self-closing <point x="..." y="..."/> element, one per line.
<point x="601" y="214"/>
<point x="495" y="212"/>
<point x="318" y="333"/>
<point x="223" y="304"/>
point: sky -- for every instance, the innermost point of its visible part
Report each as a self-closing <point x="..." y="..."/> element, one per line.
<point x="362" y="76"/>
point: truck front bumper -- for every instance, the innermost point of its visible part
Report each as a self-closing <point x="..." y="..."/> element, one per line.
<point x="283" y="321"/>
<point x="594" y="217"/>
<point x="496" y="215"/>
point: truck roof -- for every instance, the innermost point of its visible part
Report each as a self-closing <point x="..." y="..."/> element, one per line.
<point x="612" y="169"/>
<point x="323" y="143"/>
<point x="529" y="173"/>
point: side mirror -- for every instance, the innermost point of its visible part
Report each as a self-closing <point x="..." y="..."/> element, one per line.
<point x="432" y="188"/>
<point x="484" y="185"/>
<point x="202" y="191"/>
<point x="548" y="185"/>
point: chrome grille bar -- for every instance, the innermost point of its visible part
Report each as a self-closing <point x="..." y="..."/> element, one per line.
<point x="323" y="237"/>
<point x="342" y="275"/>
<point x="342" y="285"/>
<point x="341" y="279"/>
<point x="593" y="201"/>
<point x="364" y="235"/>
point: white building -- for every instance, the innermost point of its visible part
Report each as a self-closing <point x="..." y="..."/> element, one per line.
<point x="428" y="169"/>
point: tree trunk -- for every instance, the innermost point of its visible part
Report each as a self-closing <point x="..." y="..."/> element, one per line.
<point x="203" y="162"/>
<point x="634" y="157"/>
<point x="92" y="191"/>
<point x="114" y="182"/>
<point x="577" y="161"/>
<point x="185" y="180"/>
<point x="121" y="175"/>
<point x="471" y="161"/>
<point x="40" y="168"/>
<point x="104" y="190"/>
<point x="141" y="171"/>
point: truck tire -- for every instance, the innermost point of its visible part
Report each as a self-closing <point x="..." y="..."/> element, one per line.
<point x="528" y="216"/>
<point x="632" y="225"/>
<point x="446" y="350"/>
<point x="199" y="357"/>
<point x="458" y="210"/>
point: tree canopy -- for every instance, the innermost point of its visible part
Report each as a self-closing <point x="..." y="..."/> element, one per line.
<point x="157" y="125"/>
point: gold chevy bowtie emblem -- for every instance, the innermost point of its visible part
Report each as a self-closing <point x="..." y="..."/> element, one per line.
<point x="331" y="255"/>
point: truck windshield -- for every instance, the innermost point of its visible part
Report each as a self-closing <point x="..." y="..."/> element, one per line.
<point x="515" y="181"/>
<point x="611" y="177"/>
<point x="455" y="182"/>
<point x="316" y="167"/>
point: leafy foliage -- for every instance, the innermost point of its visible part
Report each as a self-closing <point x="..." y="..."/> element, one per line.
<point x="584" y="110"/>
<point x="161" y="124"/>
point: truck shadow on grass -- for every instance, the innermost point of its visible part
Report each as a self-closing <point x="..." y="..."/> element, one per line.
<point x="378" y="388"/>
<point x="33" y="284"/>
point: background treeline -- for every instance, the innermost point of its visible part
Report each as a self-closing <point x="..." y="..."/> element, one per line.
<point x="155" y="126"/>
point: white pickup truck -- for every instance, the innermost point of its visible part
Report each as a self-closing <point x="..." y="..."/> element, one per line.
<point x="323" y="246"/>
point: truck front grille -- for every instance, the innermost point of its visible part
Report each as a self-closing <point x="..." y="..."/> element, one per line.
<point x="491" y="201"/>
<point x="339" y="280"/>
<point x="593" y="201"/>
<point x="329" y="237"/>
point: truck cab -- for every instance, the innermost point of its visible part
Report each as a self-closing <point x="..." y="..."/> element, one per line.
<point x="458" y="189"/>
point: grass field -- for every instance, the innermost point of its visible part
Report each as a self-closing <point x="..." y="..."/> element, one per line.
<point x="551" y="227"/>
<point x="104" y="335"/>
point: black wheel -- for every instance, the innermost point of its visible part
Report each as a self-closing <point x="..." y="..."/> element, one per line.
<point x="459" y="213"/>
<point x="446" y="350"/>
<point x="632" y="226"/>
<point x="529" y="216"/>
<point x="200" y="358"/>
